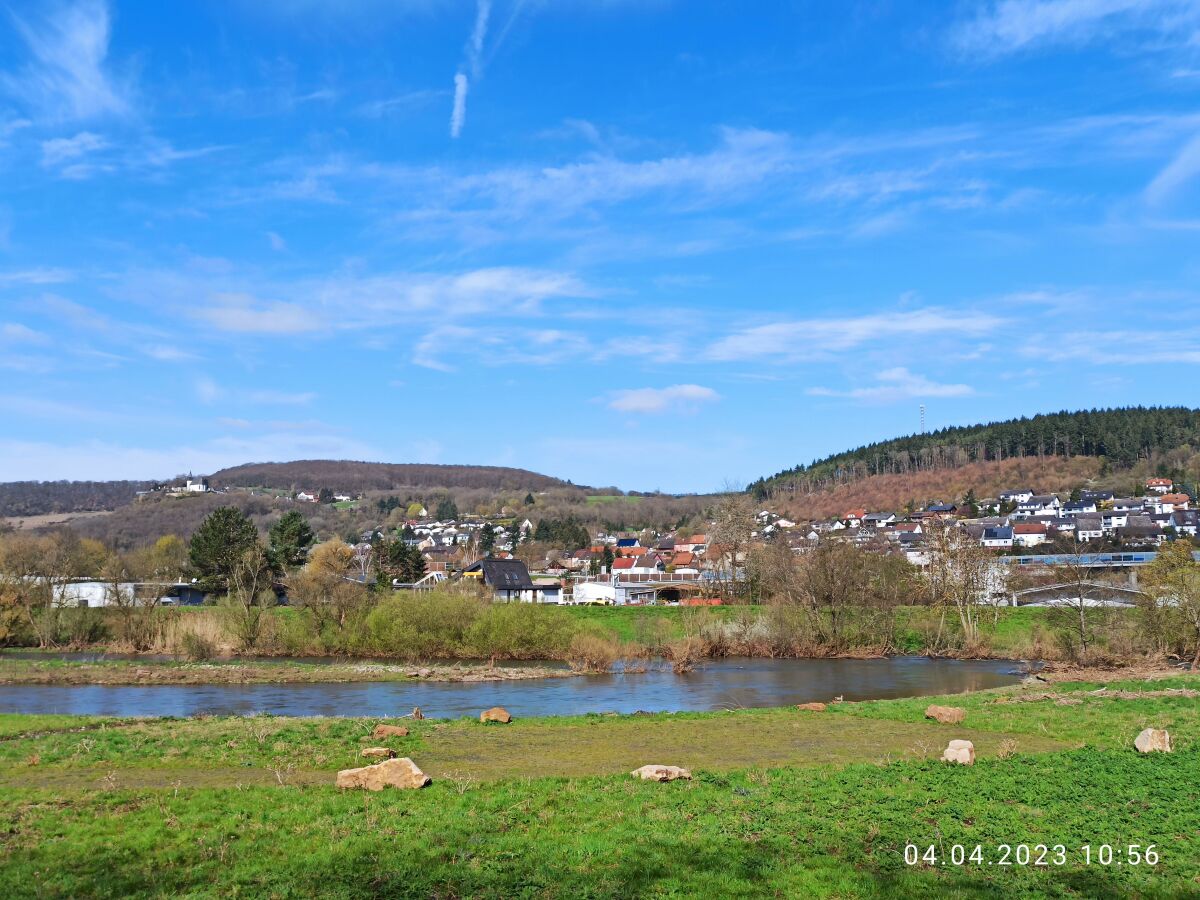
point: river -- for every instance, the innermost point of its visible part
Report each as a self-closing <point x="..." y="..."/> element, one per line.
<point x="717" y="684"/>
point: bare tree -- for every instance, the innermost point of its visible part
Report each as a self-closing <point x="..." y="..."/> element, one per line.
<point x="1075" y="614"/>
<point x="729" y="540"/>
<point x="250" y="594"/>
<point x="961" y="575"/>
<point x="1173" y="580"/>
<point x="835" y="582"/>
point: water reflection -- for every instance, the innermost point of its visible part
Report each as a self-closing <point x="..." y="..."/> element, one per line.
<point x="720" y="684"/>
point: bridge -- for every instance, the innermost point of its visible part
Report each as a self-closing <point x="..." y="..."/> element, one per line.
<point x="1114" y="560"/>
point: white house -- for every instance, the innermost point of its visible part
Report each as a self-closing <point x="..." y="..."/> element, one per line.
<point x="999" y="537"/>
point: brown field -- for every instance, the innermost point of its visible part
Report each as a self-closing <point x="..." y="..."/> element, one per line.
<point x="50" y="520"/>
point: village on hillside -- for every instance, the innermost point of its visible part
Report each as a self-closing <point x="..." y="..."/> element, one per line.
<point x="524" y="557"/>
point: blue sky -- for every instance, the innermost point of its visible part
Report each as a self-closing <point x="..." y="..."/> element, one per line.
<point x="662" y="245"/>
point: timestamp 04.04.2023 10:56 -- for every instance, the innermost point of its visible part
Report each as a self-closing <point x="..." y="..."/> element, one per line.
<point x="1145" y="855"/>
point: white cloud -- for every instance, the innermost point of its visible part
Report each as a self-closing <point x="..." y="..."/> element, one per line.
<point x="208" y="391"/>
<point x="30" y="460"/>
<point x="806" y="339"/>
<point x="475" y="45"/>
<point x="280" y="398"/>
<point x="67" y="77"/>
<point x="676" y="397"/>
<point x="57" y="151"/>
<point x="15" y="332"/>
<point x="897" y="384"/>
<point x="234" y="303"/>
<point x="246" y="314"/>
<point x="1010" y="25"/>
<point x="277" y="243"/>
<point x="458" y="115"/>
<point x="36" y="276"/>
<point x="1184" y="167"/>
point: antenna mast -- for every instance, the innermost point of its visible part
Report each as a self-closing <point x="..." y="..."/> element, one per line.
<point x="922" y="418"/>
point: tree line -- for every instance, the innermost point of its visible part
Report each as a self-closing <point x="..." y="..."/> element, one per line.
<point x="1121" y="436"/>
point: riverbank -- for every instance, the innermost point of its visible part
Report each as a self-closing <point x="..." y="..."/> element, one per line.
<point x="452" y="627"/>
<point x="143" y="672"/>
<point x="783" y="802"/>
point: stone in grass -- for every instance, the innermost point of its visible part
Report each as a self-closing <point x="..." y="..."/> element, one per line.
<point x="495" y="714"/>
<point x="947" y="715"/>
<point x="1153" y="740"/>
<point x="398" y="773"/>
<point x="960" y="752"/>
<point x="378" y="753"/>
<point x="661" y="773"/>
<point x="383" y="731"/>
<point x="812" y="707"/>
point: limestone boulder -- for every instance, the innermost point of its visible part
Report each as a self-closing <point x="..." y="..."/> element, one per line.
<point x="661" y="773"/>
<point x="812" y="707"/>
<point x="377" y="753"/>
<point x="960" y="752"/>
<point x="495" y="714"/>
<point x="386" y="731"/>
<point x="947" y="715"/>
<point x="398" y="773"/>
<point x="1153" y="740"/>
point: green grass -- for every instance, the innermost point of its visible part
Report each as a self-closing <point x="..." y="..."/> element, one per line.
<point x="784" y="803"/>
<point x="763" y="832"/>
<point x="600" y="499"/>
<point x="1095" y="721"/>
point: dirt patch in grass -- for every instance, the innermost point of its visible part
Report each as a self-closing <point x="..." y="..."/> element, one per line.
<point x="721" y="743"/>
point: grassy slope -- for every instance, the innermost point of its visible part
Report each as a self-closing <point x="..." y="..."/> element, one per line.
<point x="493" y="826"/>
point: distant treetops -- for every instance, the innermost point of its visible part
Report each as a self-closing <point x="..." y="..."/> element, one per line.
<point x="1121" y="436"/>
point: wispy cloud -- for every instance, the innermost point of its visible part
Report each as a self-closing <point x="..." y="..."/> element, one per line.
<point x="458" y="114"/>
<point x="233" y="301"/>
<point x="247" y="314"/>
<point x="67" y="76"/>
<point x="36" y="276"/>
<point x="1183" y="168"/>
<point x="675" y="398"/>
<point x="60" y="150"/>
<point x="1010" y="25"/>
<point x="896" y="384"/>
<point x="473" y="63"/>
<point x="814" y="339"/>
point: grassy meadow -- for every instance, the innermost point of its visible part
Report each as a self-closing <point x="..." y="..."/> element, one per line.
<point x="783" y="802"/>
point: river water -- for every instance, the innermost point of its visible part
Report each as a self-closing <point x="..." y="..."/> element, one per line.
<point x="718" y="684"/>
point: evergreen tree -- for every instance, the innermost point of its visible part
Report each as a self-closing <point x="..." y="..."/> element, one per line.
<point x="487" y="539"/>
<point x="289" y="540"/>
<point x="217" y="545"/>
<point x="607" y="558"/>
<point x="529" y="501"/>
<point x="447" y="509"/>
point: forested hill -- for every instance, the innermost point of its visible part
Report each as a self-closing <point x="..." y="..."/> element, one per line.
<point x="1120" y="436"/>
<point x="347" y="475"/>
<point x="35" y="498"/>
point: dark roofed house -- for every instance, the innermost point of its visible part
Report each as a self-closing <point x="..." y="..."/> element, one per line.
<point x="1139" y="535"/>
<point x="509" y="580"/>
<point x="1000" y="536"/>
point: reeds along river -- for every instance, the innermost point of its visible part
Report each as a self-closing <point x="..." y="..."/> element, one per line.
<point x="718" y="684"/>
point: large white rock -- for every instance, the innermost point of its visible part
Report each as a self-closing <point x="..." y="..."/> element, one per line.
<point x="397" y="773"/>
<point x="1153" y="740"/>
<point x="661" y="773"/>
<point x="961" y="752"/>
